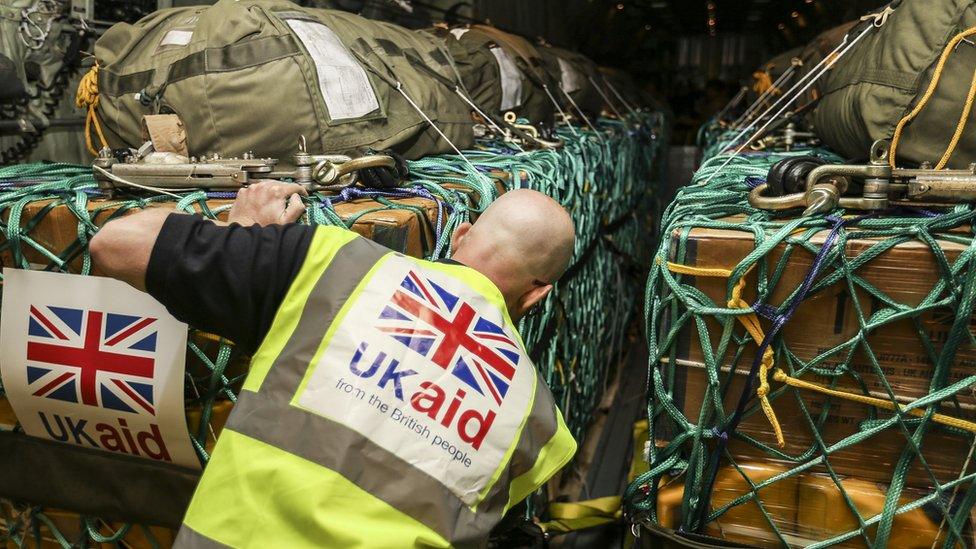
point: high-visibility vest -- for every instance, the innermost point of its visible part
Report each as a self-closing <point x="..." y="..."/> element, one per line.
<point x="391" y="404"/>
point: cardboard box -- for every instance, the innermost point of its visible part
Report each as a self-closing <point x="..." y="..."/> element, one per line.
<point x="823" y="514"/>
<point x="408" y="231"/>
<point x="904" y="274"/>
<point x="743" y="523"/>
<point x="805" y="509"/>
<point x="873" y="459"/>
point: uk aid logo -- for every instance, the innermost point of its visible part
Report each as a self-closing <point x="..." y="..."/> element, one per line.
<point x="435" y="377"/>
<point x="95" y="359"/>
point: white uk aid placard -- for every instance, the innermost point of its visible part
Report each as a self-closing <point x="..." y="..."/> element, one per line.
<point x="94" y="362"/>
<point x="427" y="369"/>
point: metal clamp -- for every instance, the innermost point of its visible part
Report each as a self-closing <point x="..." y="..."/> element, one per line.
<point x="328" y="172"/>
<point x="878" y="185"/>
<point x="166" y="172"/>
<point x="531" y="132"/>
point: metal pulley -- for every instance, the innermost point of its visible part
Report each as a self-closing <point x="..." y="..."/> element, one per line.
<point x="819" y="187"/>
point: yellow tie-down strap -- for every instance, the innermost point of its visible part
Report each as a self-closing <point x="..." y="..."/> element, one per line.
<point x="580" y="515"/>
<point x="573" y="517"/>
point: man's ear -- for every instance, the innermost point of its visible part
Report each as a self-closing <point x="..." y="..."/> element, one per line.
<point x="530" y="299"/>
<point x="459" y="235"/>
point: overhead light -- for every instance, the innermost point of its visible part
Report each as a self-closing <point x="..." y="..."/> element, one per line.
<point x="620" y="6"/>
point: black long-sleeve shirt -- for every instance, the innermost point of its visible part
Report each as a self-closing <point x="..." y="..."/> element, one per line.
<point x="226" y="280"/>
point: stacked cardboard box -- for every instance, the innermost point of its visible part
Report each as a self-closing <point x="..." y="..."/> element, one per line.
<point x="904" y="274"/>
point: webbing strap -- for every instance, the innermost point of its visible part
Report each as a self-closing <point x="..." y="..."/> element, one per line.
<point x="242" y="55"/>
<point x="582" y="515"/>
<point x="573" y="517"/>
<point x="251" y="53"/>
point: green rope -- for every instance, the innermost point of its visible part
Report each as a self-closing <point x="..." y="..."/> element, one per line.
<point x="687" y="440"/>
<point x="605" y="181"/>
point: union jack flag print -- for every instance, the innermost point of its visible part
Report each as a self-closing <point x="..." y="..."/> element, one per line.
<point x="92" y="357"/>
<point x="450" y="333"/>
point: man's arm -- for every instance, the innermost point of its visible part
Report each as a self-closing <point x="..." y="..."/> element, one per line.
<point x="225" y="278"/>
<point x="122" y="248"/>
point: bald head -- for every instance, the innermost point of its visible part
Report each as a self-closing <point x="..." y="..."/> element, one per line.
<point x="522" y="242"/>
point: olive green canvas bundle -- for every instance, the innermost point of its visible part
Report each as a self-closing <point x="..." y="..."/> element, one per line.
<point x="914" y="71"/>
<point x="575" y="74"/>
<point x="520" y="69"/>
<point x="793" y="68"/>
<point x="256" y="75"/>
<point x="479" y="70"/>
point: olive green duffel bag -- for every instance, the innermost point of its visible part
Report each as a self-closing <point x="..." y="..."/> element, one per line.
<point x="800" y="62"/>
<point x="479" y="69"/>
<point x="255" y="75"/>
<point x="907" y="81"/>
<point x="521" y="72"/>
<point x="575" y="74"/>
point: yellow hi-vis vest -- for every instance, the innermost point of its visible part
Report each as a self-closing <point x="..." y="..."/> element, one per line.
<point x="391" y="404"/>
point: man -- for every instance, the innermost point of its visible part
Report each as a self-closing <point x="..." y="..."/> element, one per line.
<point x="390" y="402"/>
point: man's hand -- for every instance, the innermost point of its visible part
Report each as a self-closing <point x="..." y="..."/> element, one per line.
<point x="268" y="203"/>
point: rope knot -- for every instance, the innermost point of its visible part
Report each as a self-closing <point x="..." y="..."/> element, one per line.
<point x="87" y="97"/>
<point x="87" y="93"/>
<point x="763" y="392"/>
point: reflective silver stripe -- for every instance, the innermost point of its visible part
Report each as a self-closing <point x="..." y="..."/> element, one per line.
<point x="372" y="468"/>
<point x="539" y="429"/>
<point x="189" y="538"/>
<point x="385" y="475"/>
<point x="334" y="286"/>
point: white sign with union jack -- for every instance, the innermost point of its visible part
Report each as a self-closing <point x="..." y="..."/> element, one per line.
<point x="94" y="362"/>
<point x="430" y="370"/>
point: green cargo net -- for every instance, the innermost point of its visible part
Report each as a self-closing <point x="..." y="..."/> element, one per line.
<point x="605" y="181"/>
<point x="753" y="378"/>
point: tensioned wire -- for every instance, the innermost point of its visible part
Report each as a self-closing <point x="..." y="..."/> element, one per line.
<point x="691" y="448"/>
<point x="603" y="178"/>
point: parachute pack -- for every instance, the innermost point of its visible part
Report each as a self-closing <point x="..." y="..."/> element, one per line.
<point x="255" y="76"/>
<point x="905" y="82"/>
